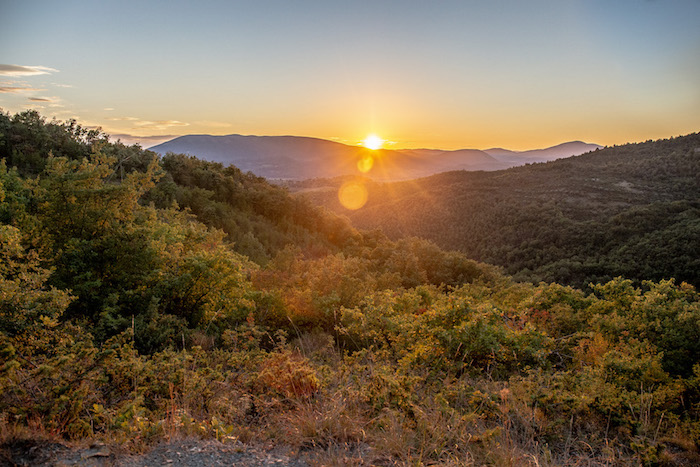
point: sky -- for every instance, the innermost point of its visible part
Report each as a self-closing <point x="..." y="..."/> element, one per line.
<point x="436" y="74"/>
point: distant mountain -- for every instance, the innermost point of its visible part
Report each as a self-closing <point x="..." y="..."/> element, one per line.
<point x="286" y="157"/>
<point x="515" y="158"/>
<point x="300" y="158"/>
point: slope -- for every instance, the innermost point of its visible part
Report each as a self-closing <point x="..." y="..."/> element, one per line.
<point x="632" y="210"/>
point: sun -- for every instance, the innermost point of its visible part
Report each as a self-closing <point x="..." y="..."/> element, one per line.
<point x="373" y="142"/>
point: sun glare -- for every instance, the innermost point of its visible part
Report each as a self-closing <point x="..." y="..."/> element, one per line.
<point x="365" y="164"/>
<point x="352" y="195"/>
<point x="373" y="142"/>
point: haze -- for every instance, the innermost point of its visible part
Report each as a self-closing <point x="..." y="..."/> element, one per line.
<point x="452" y="74"/>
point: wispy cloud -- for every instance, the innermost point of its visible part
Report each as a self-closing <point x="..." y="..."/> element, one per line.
<point x="338" y="139"/>
<point x="20" y="70"/>
<point x="148" y="124"/>
<point x="123" y="119"/>
<point x="40" y="99"/>
<point x="18" y="89"/>
<point x="159" y="125"/>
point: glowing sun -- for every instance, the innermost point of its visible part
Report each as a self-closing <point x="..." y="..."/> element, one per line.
<point x="373" y="142"/>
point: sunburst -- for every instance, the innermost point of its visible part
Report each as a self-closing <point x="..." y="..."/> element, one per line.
<point x="373" y="142"/>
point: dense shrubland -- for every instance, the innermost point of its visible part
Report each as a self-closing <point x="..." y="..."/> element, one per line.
<point x="144" y="298"/>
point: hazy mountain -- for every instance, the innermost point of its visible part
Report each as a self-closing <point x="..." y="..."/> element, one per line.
<point x="299" y="158"/>
<point x="514" y="158"/>
<point x="289" y="157"/>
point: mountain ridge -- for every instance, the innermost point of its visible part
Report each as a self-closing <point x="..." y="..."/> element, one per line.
<point x="304" y="157"/>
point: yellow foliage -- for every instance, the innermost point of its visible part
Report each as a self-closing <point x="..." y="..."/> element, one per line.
<point x="289" y="374"/>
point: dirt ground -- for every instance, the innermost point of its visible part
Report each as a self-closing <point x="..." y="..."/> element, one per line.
<point x="194" y="453"/>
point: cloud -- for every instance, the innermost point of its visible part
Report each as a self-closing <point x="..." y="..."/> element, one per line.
<point x="18" y="89"/>
<point x="39" y="99"/>
<point x="19" y="70"/>
<point x="159" y="125"/>
<point x="338" y="139"/>
<point x="122" y="119"/>
<point x="148" y="124"/>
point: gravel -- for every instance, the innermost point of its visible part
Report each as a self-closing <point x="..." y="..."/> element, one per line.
<point x="191" y="453"/>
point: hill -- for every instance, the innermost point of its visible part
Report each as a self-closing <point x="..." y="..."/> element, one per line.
<point x="128" y="317"/>
<point x="299" y="158"/>
<point x="631" y="210"/>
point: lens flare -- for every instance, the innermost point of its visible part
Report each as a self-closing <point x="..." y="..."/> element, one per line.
<point x="365" y="164"/>
<point x="352" y="195"/>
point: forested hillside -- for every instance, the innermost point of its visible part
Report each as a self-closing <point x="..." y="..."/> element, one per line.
<point x="631" y="211"/>
<point x="146" y="298"/>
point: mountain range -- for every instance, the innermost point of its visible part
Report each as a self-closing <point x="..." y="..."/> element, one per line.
<point x="300" y="158"/>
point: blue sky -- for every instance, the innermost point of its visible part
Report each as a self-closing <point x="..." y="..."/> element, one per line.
<point x="448" y="74"/>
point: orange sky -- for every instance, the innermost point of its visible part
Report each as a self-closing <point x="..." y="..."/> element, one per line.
<point x="452" y="74"/>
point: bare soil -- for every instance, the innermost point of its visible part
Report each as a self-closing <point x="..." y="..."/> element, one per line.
<point x="191" y="453"/>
